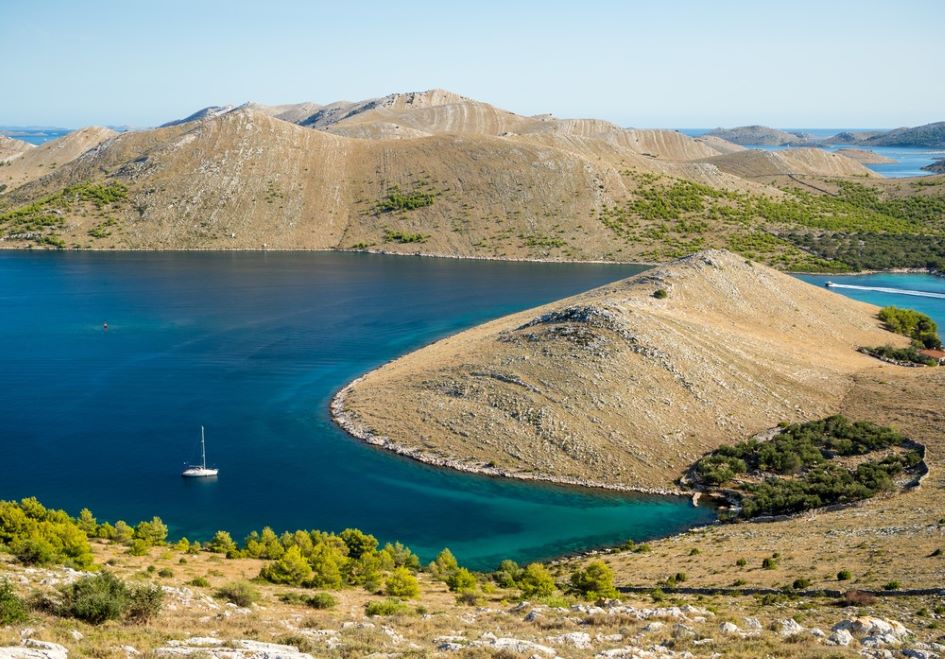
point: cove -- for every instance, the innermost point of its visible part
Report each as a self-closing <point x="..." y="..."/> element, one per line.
<point x="253" y="346"/>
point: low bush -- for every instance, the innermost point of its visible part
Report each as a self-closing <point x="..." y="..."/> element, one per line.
<point x="461" y="580"/>
<point x="387" y="607"/>
<point x="12" y="609"/>
<point x="402" y="583"/>
<point x="241" y="593"/>
<point x="96" y="599"/>
<point x="199" y="582"/>
<point x="144" y="602"/>
<point x="594" y="581"/>
<point x="844" y="575"/>
<point x="321" y="601"/>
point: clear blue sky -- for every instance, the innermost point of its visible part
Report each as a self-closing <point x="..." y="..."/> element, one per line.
<point x="649" y="64"/>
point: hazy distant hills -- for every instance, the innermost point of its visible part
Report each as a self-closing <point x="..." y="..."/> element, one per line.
<point x="758" y="136"/>
<point x="428" y="172"/>
<point x="930" y="136"/>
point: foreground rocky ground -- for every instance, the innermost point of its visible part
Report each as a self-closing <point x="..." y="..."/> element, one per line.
<point x="194" y="623"/>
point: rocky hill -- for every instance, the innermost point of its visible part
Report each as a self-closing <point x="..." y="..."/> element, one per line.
<point x="424" y="173"/>
<point x="11" y="148"/>
<point x="930" y="136"/>
<point x="625" y="385"/>
<point x="36" y="163"/>
<point x="753" y="163"/>
<point x="758" y="136"/>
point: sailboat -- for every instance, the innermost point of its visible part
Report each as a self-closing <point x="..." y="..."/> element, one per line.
<point x="201" y="470"/>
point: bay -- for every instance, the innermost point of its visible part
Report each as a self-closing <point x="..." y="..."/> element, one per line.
<point x="253" y="346"/>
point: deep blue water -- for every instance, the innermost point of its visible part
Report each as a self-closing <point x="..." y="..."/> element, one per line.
<point x="909" y="160"/>
<point x="253" y="346"/>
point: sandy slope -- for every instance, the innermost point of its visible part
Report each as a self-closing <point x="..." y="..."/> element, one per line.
<point x="40" y="161"/>
<point x="617" y="387"/>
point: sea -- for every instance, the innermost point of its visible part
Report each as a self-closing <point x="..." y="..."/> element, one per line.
<point x="253" y="346"/>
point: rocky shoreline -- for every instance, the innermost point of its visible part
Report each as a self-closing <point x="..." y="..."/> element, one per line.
<point x="353" y="427"/>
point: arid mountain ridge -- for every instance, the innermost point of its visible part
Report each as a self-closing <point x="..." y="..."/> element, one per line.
<point x="421" y="173"/>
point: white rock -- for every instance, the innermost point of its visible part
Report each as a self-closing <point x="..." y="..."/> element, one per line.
<point x="914" y="653"/>
<point x="490" y="640"/>
<point x="816" y="632"/>
<point x="789" y="626"/>
<point x="34" y="649"/>
<point x="579" y="640"/>
<point x="753" y="624"/>
<point x="271" y="650"/>
<point x="130" y="650"/>
<point x="840" y="637"/>
<point x="729" y="628"/>
<point x="76" y="634"/>
<point x="654" y="626"/>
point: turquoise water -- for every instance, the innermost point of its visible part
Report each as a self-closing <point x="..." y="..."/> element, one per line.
<point x="910" y="284"/>
<point x="253" y="346"/>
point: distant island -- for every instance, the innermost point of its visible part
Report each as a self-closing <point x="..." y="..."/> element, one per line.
<point x="929" y="136"/>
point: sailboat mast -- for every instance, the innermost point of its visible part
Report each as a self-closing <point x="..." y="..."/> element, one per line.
<point x="203" y="449"/>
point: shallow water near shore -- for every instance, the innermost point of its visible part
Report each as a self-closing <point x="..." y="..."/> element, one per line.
<point x="253" y="346"/>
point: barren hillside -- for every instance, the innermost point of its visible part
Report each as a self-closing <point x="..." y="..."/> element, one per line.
<point x="618" y="386"/>
<point x="437" y="173"/>
<point x="11" y="148"/>
<point x="40" y="161"/>
<point x="798" y="161"/>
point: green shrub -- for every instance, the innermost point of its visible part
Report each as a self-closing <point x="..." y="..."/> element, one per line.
<point x="769" y="563"/>
<point x="800" y="584"/>
<point x="358" y="542"/>
<point x="461" y="580"/>
<point x="166" y="572"/>
<point x="153" y="533"/>
<point x="594" y="581"/>
<point x="12" y="609"/>
<point x="321" y="601"/>
<point x="144" y="602"/>
<point x="291" y="569"/>
<point x="37" y="535"/>
<point x="443" y="565"/>
<point x="660" y="294"/>
<point x="139" y="547"/>
<point x="96" y="599"/>
<point x="199" y="582"/>
<point x="913" y="324"/>
<point x="536" y="581"/>
<point x="397" y="236"/>
<point x="222" y="543"/>
<point x="387" y="607"/>
<point x="741" y="562"/>
<point x="402" y="583"/>
<point x="508" y="574"/>
<point x="892" y="585"/>
<point x="241" y="593"/>
<point x="401" y="201"/>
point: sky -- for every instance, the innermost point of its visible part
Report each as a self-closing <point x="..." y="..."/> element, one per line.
<point x="682" y="64"/>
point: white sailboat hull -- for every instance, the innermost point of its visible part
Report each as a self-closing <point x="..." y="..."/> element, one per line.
<point x="199" y="472"/>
